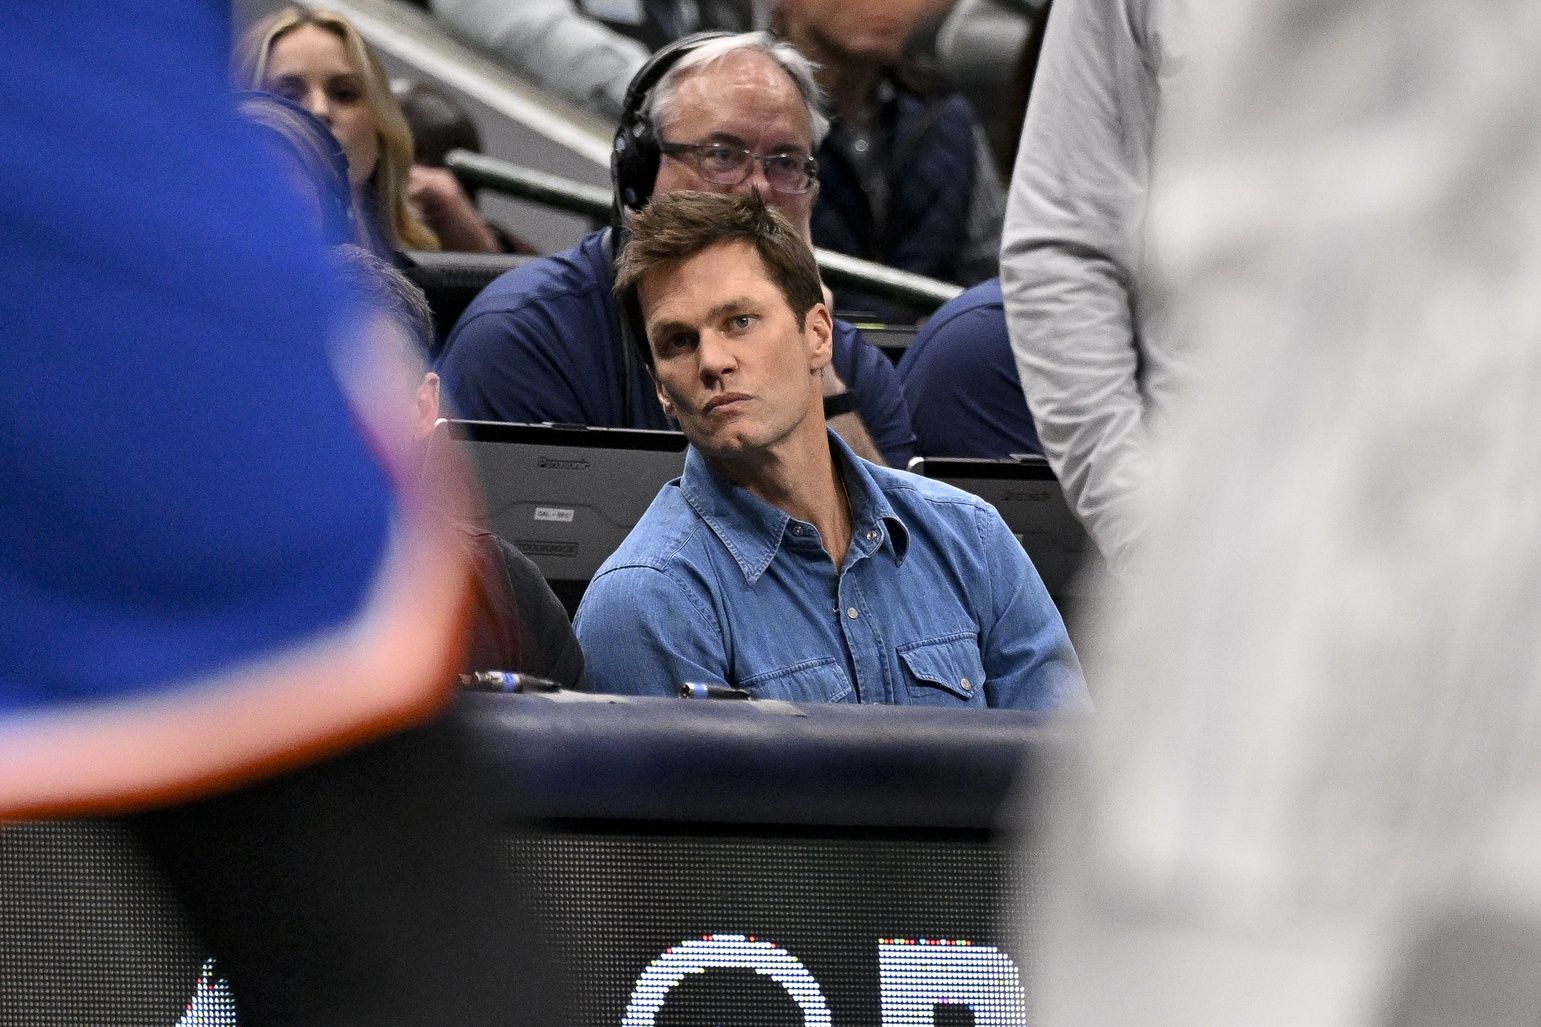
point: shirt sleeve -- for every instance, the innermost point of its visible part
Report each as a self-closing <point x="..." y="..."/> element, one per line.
<point x="961" y="384"/>
<point x="549" y="648"/>
<point x="509" y="366"/>
<point x="555" y="44"/>
<point x="869" y="374"/>
<point x="1028" y="659"/>
<point x="645" y="633"/>
<point x="1071" y="253"/>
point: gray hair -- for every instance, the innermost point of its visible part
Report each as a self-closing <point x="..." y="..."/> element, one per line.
<point x="662" y="100"/>
<point x="380" y="285"/>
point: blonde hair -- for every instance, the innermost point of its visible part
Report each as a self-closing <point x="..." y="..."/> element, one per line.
<point x="392" y="217"/>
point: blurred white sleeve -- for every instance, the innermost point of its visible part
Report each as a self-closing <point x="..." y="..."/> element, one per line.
<point x="1072" y="252"/>
<point x="553" y="43"/>
<point x="1320" y="706"/>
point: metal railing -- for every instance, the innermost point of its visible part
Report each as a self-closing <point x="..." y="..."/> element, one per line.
<point x="476" y="171"/>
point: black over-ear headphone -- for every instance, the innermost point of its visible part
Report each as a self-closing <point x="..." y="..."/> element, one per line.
<point x="634" y="161"/>
<point x="635" y="154"/>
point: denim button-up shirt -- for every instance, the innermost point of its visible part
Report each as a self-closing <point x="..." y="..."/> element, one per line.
<point x="936" y="603"/>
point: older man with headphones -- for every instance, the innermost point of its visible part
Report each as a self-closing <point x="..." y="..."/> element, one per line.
<point x="714" y="112"/>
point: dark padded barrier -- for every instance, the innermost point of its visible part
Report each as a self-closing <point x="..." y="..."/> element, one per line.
<point x="717" y="862"/>
<point x="737" y="762"/>
<point x="452" y="280"/>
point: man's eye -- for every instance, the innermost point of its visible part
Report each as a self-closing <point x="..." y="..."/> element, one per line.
<point x="672" y="343"/>
<point x="720" y="156"/>
<point x="742" y="322"/>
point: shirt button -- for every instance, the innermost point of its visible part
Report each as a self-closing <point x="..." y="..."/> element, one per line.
<point x="797" y="529"/>
<point x="967" y="684"/>
<point x="850" y="612"/>
<point x="871" y="535"/>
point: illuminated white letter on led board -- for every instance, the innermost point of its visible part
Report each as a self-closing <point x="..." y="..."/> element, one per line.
<point x="724" y="951"/>
<point x="917" y="975"/>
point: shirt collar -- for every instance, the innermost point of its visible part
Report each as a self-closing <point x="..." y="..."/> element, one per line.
<point x="753" y="530"/>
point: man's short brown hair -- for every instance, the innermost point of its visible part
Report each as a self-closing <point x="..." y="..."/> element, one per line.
<point x="675" y="226"/>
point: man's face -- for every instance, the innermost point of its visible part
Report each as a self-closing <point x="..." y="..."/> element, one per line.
<point x="730" y="362"/>
<point x="744" y="100"/>
<point x="868" y="30"/>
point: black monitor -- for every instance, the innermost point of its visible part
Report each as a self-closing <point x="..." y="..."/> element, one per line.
<point x="1032" y="503"/>
<point x="567" y="495"/>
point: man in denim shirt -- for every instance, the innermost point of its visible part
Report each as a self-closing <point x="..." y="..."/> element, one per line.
<point x="780" y="563"/>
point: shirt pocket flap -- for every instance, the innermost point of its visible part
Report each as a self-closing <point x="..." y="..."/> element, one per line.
<point x="951" y="665"/>
<point x="817" y="680"/>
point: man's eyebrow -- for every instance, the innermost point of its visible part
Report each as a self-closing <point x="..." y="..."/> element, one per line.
<point x="658" y="329"/>
<point x="726" y="308"/>
<point x="727" y="139"/>
<point x="790" y="146"/>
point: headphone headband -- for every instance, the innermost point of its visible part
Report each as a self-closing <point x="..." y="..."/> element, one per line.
<point x="635" y="155"/>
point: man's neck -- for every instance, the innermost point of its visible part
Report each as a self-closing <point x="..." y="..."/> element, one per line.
<point x="800" y="479"/>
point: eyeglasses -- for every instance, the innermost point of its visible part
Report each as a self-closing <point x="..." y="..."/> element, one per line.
<point x="721" y="164"/>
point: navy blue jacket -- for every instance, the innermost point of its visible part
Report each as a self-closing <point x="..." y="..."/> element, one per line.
<point x="930" y="160"/>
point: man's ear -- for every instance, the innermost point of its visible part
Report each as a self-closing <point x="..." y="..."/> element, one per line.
<point x="425" y="406"/>
<point x="819" y="334"/>
<point x="663" y="397"/>
<point x="806" y="228"/>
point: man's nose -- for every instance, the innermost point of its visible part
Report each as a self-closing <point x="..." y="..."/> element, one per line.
<point x="756" y="180"/>
<point x="714" y="357"/>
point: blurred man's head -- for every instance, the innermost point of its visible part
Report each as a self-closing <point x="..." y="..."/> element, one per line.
<point x="741" y="114"/>
<point x="729" y="300"/>
<point x="380" y="287"/>
<point x="875" y="31"/>
<point x="439" y="124"/>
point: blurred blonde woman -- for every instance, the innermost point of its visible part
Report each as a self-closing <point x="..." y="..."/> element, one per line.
<point x="318" y="60"/>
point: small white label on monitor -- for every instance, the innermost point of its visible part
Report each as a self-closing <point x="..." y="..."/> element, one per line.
<point x="556" y="514"/>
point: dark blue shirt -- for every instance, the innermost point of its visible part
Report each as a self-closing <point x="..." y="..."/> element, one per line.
<point x="960" y="380"/>
<point x="543" y="343"/>
<point x="936" y="603"/>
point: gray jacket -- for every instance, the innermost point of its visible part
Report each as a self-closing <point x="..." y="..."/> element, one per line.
<point x="1096" y="362"/>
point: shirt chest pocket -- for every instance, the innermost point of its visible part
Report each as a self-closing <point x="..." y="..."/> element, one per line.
<point x="943" y="671"/>
<point x="820" y="680"/>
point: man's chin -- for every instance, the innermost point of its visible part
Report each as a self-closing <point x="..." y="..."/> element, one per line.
<point x="877" y="46"/>
<point x="727" y="446"/>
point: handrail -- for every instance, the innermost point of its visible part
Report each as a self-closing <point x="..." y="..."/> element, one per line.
<point x="477" y="171"/>
<point x="881" y="280"/>
<point x="413" y="36"/>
